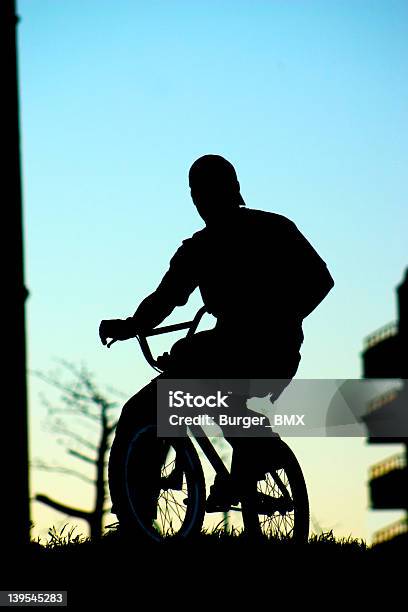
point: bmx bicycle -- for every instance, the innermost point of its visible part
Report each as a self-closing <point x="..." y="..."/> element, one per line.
<point x="160" y="489"/>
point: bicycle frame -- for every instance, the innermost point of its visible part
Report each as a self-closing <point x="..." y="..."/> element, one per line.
<point x="254" y="501"/>
<point x="197" y="431"/>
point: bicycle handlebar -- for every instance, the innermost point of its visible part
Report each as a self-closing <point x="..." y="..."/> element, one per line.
<point x="168" y="328"/>
<point x="190" y="325"/>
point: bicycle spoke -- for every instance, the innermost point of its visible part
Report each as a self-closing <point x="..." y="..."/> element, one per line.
<point x="278" y="525"/>
<point x="171" y="509"/>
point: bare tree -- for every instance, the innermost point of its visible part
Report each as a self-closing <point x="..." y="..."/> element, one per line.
<point x="82" y="403"/>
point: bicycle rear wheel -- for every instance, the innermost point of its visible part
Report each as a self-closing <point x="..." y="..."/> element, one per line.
<point x="278" y="506"/>
<point x="162" y="488"/>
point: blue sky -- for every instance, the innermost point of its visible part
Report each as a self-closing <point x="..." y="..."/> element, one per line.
<point x="307" y="99"/>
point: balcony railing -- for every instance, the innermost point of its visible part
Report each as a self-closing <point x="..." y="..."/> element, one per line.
<point x="387" y="331"/>
<point x="382" y="400"/>
<point x="388" y="533"/>
<point x="395" y="462"/>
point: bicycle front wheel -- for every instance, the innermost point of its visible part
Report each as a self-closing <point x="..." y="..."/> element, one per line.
<point x="278" y="506"/>
<point x="163" y="487"/>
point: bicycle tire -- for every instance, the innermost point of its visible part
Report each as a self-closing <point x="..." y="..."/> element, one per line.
<point x="139" y="513"/>
<point x="289" y="525"/>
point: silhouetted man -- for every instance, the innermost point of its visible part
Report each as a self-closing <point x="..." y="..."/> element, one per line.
<point x="257" y="274"/>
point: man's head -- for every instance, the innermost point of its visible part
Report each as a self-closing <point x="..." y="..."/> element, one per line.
<point x="214" y="187"/>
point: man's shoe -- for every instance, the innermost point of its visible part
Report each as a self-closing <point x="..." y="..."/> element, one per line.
<point x="221" y="496"/>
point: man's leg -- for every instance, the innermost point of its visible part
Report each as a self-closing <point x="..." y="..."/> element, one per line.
<point x="194" y="356"/>
<point x="254" y="452"/>
<point x="138" y="410"/>
<point x="211" y="355"/>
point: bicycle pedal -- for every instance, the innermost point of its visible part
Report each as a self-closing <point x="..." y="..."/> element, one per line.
<point x="220" y="505"/>
<point x="217" y="508"/>
<point x="270" y="505"/>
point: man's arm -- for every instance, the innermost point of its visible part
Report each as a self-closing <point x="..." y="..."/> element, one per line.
<point x="316" y="291"/>
<point x="314" y="280"/>
<point x="174" y="290"/>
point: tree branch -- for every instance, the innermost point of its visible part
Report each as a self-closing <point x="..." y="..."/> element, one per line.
<point x="81" y="514"/>
<point x="58" y="385"/>
<point x="81" y="456"/>
<point x="66" y="432"/>
<point x="111" y="428"/>
<point x="61" y="470"/>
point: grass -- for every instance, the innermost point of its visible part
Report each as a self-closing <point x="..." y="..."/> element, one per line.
<point x="99" y="571"/>
<point x="67" y="540"/>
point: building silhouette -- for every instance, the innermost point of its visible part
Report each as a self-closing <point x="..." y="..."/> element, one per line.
<point x="385" y="355"/>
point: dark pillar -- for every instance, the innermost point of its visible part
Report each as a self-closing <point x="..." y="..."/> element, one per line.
<point x="14" y="503"/>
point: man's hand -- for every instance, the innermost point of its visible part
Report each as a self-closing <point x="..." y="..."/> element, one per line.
<point x="117" y="329"/>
